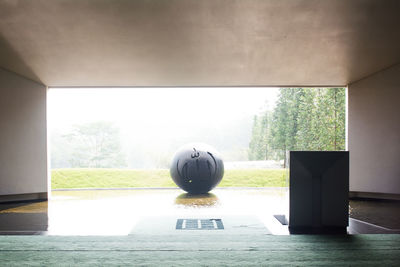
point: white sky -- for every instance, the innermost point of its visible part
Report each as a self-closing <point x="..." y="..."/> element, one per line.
<point x="155" y="122"/>
<point x="152" y="107"/>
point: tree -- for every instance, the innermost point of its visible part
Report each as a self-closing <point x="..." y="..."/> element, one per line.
<point x="259" y="146"/>
<point x="335" y="118"/>
<point x="285" y="120"/>
<point x="306" y="135"/>
<point x="95" y="145"/>
<point x="255" y="142"/>
<point x="303" y="119"/>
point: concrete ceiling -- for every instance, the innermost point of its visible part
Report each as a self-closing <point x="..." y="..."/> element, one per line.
<point x="198" y="42"/>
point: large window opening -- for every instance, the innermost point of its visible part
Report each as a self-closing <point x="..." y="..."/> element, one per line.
<point x="113" y="138"/>
<point x="127" y="137"/>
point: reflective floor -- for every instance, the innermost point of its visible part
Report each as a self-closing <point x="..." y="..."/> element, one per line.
<point x="117" y="212"/>
<point x="122" y="212"/>
<point x="385" y="213"/>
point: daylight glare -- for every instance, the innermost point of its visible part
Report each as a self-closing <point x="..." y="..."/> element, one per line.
<point x="154" y="122"/>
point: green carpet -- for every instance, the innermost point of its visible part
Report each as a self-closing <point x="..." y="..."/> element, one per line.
<point x="203" y="250"/>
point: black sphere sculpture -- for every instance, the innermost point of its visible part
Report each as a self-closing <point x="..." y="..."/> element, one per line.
<point x="197" y="168"/>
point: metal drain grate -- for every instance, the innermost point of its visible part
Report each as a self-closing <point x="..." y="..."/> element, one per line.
<point x="199" y="224"/>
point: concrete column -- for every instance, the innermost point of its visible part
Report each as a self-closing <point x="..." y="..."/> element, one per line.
<point x="374" y="133"/>
<point x="23" y="138"/>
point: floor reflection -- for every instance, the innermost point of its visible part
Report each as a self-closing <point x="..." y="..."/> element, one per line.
<point x="35" y="207"/>
<point x="197" y="201"/>
<point x="24" y="219"/>
<point x="384" y="213"/>
<point x="117" y="212"/>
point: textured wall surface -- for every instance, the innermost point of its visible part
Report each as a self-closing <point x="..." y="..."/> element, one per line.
<point x="23" y="148"/>
<point x="374" y="133"/>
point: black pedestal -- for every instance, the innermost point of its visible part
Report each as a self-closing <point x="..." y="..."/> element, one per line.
<point x="319" y="188"/>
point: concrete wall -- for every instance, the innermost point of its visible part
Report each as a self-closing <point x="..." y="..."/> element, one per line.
<point x="23" y="140"/>
<point x="374" y="133"/>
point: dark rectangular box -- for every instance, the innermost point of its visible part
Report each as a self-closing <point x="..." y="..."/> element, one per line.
<point x="319" y="189"/>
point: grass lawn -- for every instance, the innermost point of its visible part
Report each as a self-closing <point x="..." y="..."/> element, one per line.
<point x="122" y="178"/>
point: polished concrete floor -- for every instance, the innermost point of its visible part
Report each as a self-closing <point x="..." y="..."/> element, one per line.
<point x="124" y="212"/>
<point x="384" y="213"/>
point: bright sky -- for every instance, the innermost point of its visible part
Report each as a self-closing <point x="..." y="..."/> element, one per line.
<point x="155" y="122"/>
<point x="152" y="107"/>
